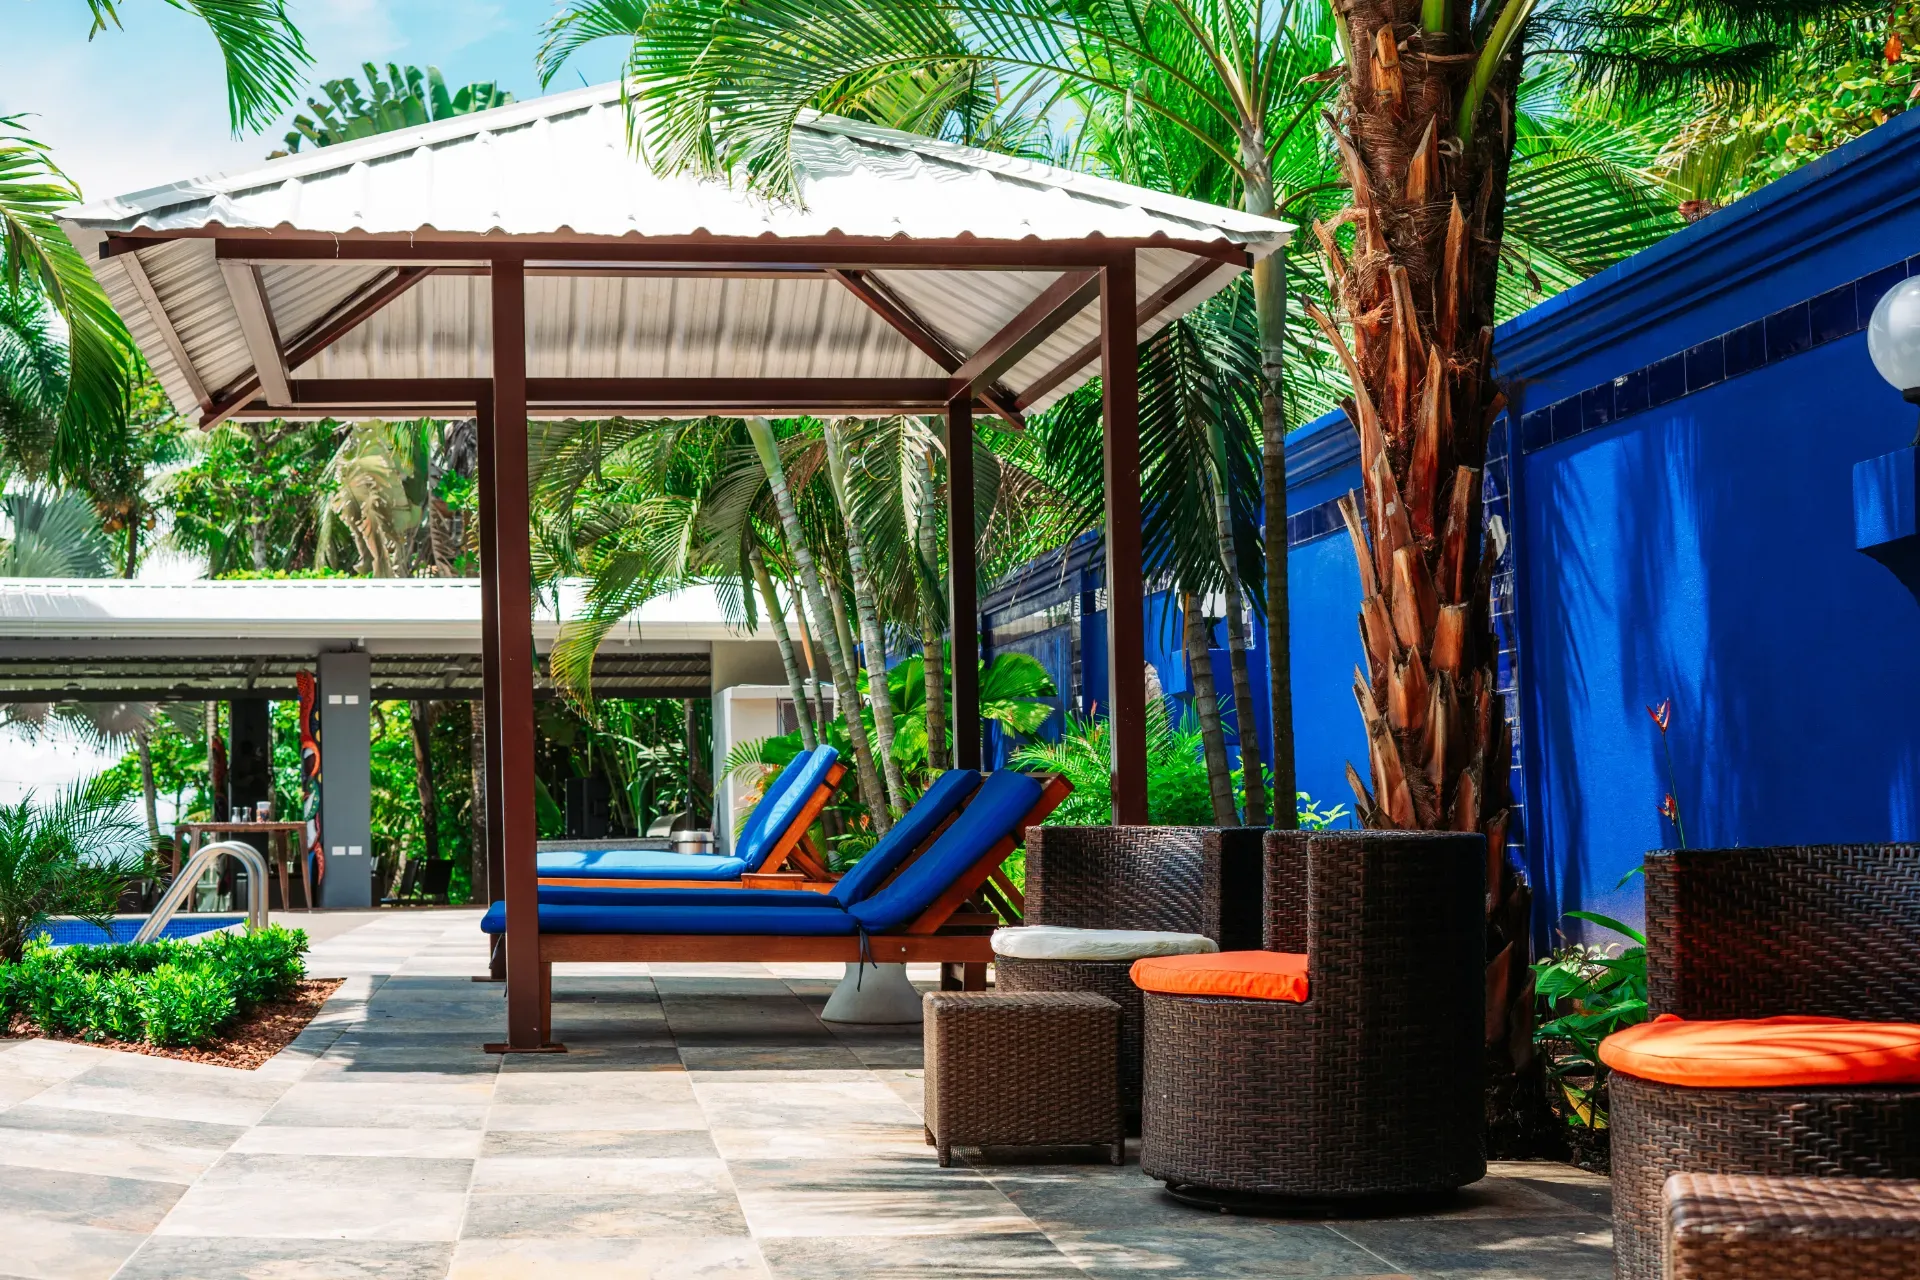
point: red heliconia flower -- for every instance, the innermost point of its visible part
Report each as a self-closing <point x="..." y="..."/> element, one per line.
<point x="1662" y="715"/>
<point x="1670" y="808"/>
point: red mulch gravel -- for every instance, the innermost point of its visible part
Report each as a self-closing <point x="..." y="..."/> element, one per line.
<point x="245" y="1045"/>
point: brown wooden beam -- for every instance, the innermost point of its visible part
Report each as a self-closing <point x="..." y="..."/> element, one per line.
<point x="143" y="285"/>
<point x="963" y="584"/>
<point x="1058" y="303"/>
<point x="356" y="310"/>
<point x="257" y="328"/>
<point x="489" y="709"/>
<point x="741" y="394"/>
<point x="1156" y="302"/>
<point x="409" y="248"/>
<point x="1126" y="591"/>
<point x="888" y="305"/>
<point x="513" y="604"/>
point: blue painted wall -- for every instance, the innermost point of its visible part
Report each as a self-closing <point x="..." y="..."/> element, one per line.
<point x="1703" y="550"/>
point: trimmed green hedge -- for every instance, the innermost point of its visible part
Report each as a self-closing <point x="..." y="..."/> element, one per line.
<point x="173" y="993"/>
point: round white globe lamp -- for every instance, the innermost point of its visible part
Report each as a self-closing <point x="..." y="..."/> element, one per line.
<point x="1893" y="338"/>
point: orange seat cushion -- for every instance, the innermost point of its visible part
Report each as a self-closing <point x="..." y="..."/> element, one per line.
<point x="1763" y="1053"/>
<point x="1244" y="975"/>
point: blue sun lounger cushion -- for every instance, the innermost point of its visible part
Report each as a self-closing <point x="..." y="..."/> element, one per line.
<point x="940" y="800"/>
<point x="779" y="811"/>
<point x="756" y="824"/>
<point x="991" y="816"/>
<point x="778" y="921"/>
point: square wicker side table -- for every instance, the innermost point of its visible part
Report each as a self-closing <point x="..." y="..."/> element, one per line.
<point x="1022" y="1069"/>
<point x="1742" y="1227"/>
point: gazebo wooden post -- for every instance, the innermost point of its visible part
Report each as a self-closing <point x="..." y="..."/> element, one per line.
<point x="1126" y="594"/>
<point x="490" y="686"/>
<point x="513" y="612"/>
<point x="963" y="584"/>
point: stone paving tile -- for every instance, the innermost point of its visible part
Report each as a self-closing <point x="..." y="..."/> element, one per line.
<point x="610" y="1214"/>
<point x="1012" y="1255"/>
<point x="867" y="1197"/>
<point x="856" y="1105"/>
<point x="325" y="1197"/>
<point x="46" y="1249"/>
<point x="648" y="1258"/>
<point x="132" y="1084"/>
<point x="1563" y="1248"/>
<point x="230" y="1258"/>
<point x="87" y="1199"/>
<point x="643" y="1144"/>
<point x="124" y="1146"/>
<point x="296" y="1140"/>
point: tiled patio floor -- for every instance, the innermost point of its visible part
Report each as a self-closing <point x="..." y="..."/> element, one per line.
<point x="705" y="1124"/>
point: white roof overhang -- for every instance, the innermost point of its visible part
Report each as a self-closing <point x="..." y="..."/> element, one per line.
<point x="909" y="270"/>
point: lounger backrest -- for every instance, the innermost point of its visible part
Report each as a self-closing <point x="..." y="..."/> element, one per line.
<point x="991" y="816"/>
<point x="752" y="836"/>
<point x="783" y="808"/>
<point x="948" y="792"/>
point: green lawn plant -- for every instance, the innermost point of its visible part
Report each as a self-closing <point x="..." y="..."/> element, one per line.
<point x="1587" y="993"/>
<point x="170" y="993"/>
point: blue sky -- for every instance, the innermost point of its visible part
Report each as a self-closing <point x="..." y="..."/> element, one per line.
<point x="147" y="105"/>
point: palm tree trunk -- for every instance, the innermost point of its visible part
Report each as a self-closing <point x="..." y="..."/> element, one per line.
<point x="420" y="719"/>
<point x="1253" y="786"/>
<point x="933" y="646"/>
<point x="783" y="640"/>
<point x="1418" y="140"/>
<point x="1207" y="708"/>
<point x="1270" y="308"/>
<point x="820" y="717"/>
<point x="149" y="792"/>
<point x="873" y="642"/>
<point x="838" y="659"/>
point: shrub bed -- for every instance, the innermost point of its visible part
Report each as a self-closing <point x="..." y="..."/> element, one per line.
<point x="168" y="993"/>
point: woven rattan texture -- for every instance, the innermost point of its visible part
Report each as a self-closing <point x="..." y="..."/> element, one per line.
<point x="1019" y="1069"/>
<point x="1373" y="1085"/>
<point x="1832" y="930"/>
<point x="1104" y="978"/>
<point x="1123" y="878"/>
<point x="1661" y="1129"/>
<point x="1734" y="1227"/>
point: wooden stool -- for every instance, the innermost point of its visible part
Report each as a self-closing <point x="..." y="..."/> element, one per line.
<point x="1721" y="1226"/>
<point x="1022" y="1069"/>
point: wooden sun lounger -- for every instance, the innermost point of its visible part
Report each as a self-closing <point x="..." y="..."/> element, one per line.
<point x="943" y="933"/>
<point x="794" y="846"/>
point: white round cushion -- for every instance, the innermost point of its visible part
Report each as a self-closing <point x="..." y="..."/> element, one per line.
<point x="1051" y="942"/>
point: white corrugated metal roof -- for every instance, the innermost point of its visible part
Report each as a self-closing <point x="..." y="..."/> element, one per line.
<point x="563" y="164"/>
<point x="412" y="610"/>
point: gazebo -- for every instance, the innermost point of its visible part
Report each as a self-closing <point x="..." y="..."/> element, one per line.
<point x="523" y="263"/>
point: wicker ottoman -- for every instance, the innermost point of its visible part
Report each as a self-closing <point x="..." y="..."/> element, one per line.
<point x="1026" y="1069"/>
<point x="1109" y="978"/>
<point x="1736" y="1227"/>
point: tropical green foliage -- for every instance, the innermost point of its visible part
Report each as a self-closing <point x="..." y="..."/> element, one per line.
<point x="52" y="534"/>
<point x="173" y="993"/>
<point x="404" y="98"/>
<point x="1586" y="994"/>
<point x="72" y="855"/>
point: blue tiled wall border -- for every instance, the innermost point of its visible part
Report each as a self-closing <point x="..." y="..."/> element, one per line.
<point x="1838" y="313"/>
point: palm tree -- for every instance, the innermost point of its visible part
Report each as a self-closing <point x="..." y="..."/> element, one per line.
<point x="723" y="85"/>
<point x="1426" y="133"/>
<point x="263" y="55"/>
<point x="872" y="641"/>
<point x="71" y="857"/>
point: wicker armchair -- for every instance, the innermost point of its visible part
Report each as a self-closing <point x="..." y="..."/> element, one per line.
<point x="1825" y="931"/>
<point x="1373" y="1086"/>
<point x="1203" y="880"/>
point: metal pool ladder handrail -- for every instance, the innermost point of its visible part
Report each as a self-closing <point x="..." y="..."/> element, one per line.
<point x="183" y="885"/>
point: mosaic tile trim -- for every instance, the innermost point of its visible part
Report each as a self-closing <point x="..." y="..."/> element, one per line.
<point x="1838" y="313"/>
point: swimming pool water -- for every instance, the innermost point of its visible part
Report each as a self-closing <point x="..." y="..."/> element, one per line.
<point x="65" y="931"/>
